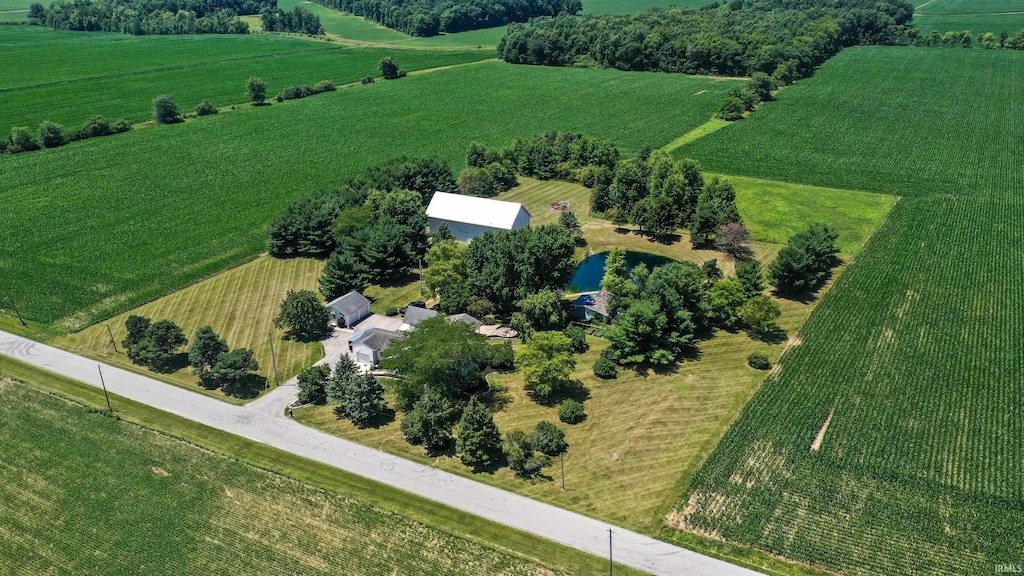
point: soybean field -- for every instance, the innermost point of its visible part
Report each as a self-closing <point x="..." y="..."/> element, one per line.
<point x="101" y="226"/>
<point x="889" y="439"/>
<point x="84" y="493"/>
<point x="66" y="77"/>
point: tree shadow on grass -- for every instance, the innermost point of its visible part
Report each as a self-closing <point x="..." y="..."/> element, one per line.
<point x="572" y="390"/>
<point x="407" y="278"/>
<point x="774" y="335"/>
<point x="497" y="462"/>
<point x="172" y="364"/>
<point x="497" y="397"/>
<point x="810" y="294"/>
<point x="249" y="387"/>
<point x="383" y="418"/>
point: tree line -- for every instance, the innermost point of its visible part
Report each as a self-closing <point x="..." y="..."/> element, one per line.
<point x="53" y="135"/>
<point x="782" y="38"/>
<point x="966" y="39"/>
<point x="431" y="17"/>
<point x="141" y="17"/>
<point x="298" y="20"/>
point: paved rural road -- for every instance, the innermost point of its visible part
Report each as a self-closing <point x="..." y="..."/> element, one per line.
<point x="278" y="431"/>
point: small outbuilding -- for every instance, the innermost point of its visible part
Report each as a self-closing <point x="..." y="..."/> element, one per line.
<point x="369" y="344"/>
<point x="346" y="311"/>
<point x="470" y="216"/>
<point x="590" y="306"/>
<point x="413" y="316"/>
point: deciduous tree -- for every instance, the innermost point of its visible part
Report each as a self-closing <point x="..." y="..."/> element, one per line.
<point x="546" y="362"/>
<point x="256" y="88"/>
<point x="304" y="316"/>
<point x="165" y="111"/>
<point x="313" y="384"/>
<point x="430" y="421"/>
<point x="207" y="348"/>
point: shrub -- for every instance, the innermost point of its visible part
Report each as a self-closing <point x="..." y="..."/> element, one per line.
<point x="391" y="311"/>
<point x="257" y="90"/>
<point x="758" y="361"/>
<point x="605" y="369"/>
<point x="368" y="80"/>
<point x="206" y="108"/>
<point x="93" y="127"/>
<point x="22" y="140"/>
<point x="51" y="135"/>
<point x="571" y="412"/>
<point x="324" y="86"/>
<point x="577" y="338"/>
<point x="165" y="111"/>
<point x="548" y="439"/>
<point x="520" y="455"/>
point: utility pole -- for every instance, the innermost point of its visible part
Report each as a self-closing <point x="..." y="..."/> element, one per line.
<point x="104" y="384"/>
<point x="561" y="459"/>
<point x="112" y="343"/>
<point x="610" y="552"/>
<point x="273" y="357"/>
<point x="15" y="306"/>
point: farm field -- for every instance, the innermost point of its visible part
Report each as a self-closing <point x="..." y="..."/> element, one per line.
<point x="889" y="440"/>
<point x="150" y="211"/>
<point x="216" y="74"/>
<point x="14" y="10"/>
<point x="239" y="304"/>
<point x="86" y="493"/>
<point x="646" y="432"/>
<point x="360" y="29"/>
<point x="970" y="6"/>
<point x="978" y="24"/>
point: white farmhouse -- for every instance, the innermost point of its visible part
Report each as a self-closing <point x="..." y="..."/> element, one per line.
<point x="469" y="216"/>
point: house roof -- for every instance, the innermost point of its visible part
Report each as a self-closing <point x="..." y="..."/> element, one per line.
<point x="474" y="210"/>
<point x="349" y="303"/>
<point x="375" y="338"/>
<point x="414" y="315"/>
<point x="596" y="301"/>
<point x="467" y="319"/>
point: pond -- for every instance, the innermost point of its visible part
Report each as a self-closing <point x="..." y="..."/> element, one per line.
<point x="590" y="271"/>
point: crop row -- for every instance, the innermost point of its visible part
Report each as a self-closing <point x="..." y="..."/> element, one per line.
<point x="131" y="217"/>
<point x="82" y="493"/>
<point x="915" y="351"/>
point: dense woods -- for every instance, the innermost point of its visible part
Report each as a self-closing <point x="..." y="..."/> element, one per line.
<point x="431" y="17"/>
<point x="784" y="38"/>
<point x="140" y="17"/>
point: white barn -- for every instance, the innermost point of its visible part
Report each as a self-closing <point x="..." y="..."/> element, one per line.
<point x="469" y="216"/>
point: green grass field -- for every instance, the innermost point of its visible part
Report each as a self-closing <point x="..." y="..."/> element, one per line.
<point x="86" y="493"/>
<point x="634" y="6"/>
<point x="119" y="79"/>
<point x="913" y="358"/>
<point x="978" y="24"/>
<point x="361" y="30"/>
<point x="239" y="304"/>
<point x="148" y="212"/>
<point x="970" y="6"/>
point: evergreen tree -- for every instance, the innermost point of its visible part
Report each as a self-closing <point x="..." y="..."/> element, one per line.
<point x="342" y="274"/>
<point x="443" y="234"/>
<point x="344" y="371"/>
<point x="479" y="438"/>
<point x="362" y="399"/>
<point x="233" y="372"/>
<point x="430" y="421"/>
<point x="749" y="275"/>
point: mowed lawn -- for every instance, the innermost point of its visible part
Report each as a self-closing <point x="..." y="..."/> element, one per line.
<point x="66" y="77"/>
<point x="83" y="493"/>
<point x="362" y="30"/>
<point x="647" y="432"/>
<point x="239" y="304"/>
<point x="913" y="358"/>
<point x="99" y="227"/>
